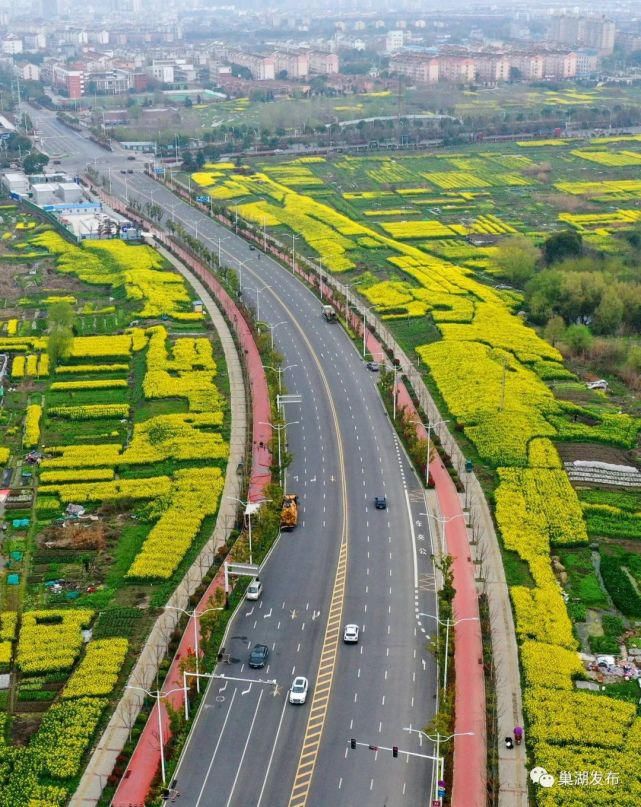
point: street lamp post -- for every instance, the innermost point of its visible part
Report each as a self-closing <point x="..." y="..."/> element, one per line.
<point x="195" y="616"/>
<point x="272" y="328"/>
<point x="278" y="428"/>
<point x="443" y="521"/>
<point x="248" y="513"/>
<point x="257" y="290"/>
<point x="280" y="371"/>
<point x="157" y="694"/>
<point x="440" y="761"/>
<point x="428" y="429"/>
<point x="294" y="239"/>
<point x="449" y="623"/>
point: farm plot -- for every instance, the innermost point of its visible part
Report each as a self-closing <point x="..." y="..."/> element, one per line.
<point x="115" y="448"/>
<point x="493" y="375"/>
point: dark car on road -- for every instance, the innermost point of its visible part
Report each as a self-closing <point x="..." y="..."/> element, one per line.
<point x="380" y="502"/>
<point x="258" y="656"/>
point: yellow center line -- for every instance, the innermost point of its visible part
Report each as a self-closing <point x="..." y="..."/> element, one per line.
<point x="320" y="698"/>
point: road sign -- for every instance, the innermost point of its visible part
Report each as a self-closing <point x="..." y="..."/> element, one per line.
<point x="203" y="199"/>
<point x="436" y="803"/>
<point x="441" y="792"/>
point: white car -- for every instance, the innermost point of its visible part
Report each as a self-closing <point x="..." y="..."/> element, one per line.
<point x="350" y="634"/>
<point x="254" y="590"/>
<point x="298" y="691"/>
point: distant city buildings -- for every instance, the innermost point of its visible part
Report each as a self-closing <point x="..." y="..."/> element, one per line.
<point x="597" y="33"/>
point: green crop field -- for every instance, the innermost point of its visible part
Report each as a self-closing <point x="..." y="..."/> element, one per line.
<point x="418" y="236"/>
<point x="127" y="423"/>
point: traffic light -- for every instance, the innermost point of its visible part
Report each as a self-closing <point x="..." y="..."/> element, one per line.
<point x="395" y="751"/>
<point x="352" y="743"/>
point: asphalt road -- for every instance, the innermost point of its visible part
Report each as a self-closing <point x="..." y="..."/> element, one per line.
<point x="346" y="562"/>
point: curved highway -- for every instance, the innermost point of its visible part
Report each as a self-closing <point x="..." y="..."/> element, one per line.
<point x="346" y="562"/>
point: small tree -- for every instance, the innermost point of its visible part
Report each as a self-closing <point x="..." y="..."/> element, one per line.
<point x="559" y="246"/>
<point x="578" y="338"/>
<point x="516" y="259"/>
<point x="554" y="330"/>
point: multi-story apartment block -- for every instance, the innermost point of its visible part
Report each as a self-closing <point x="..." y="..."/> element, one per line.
<point x="11" y="45"/>
<point x="72" y="82"/>
<point x="417" y="66"/>
<point x="322" y="62"/>
<point x="294" y="63"/>
<point x="588" y="32"/>
<point x="394" y="41"/>
<point x="261" y="67"/>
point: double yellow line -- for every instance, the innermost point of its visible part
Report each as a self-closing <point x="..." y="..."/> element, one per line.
<point x="325" y="675"/>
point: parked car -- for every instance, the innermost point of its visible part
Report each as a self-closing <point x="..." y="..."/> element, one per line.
<point x="380" y="502"/>
<point x="298" y="691"/>
<point x="254" y="590"/>
<point x="373" y="366"/>
<point x="350" y="634"/>
<point x="258" y="656"/>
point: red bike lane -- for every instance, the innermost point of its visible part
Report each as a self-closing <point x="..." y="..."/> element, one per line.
<point x="143" y="766"/>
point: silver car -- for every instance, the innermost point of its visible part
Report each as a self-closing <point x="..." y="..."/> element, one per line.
<point x="350" y="634"/>
<point x="298" y="691"/>
<point x="254" y="590"/>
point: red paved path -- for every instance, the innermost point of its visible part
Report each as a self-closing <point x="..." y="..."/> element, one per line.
<point x="145" y="761"/>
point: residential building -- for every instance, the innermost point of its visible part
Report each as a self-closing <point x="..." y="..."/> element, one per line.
<point x="70" y="82"/>
<point x="587" y="62"/>
<point x="11" y="45"/>
<point x="394" y="41"/>
<point x="416" y="66"/>
<point x="560" y="65"/>
<point x="261" y="67"/>
<point x="162" y="71"/>
<point x="593" y="32"/>
<point x="29" y="72"/>
<point x="294" y="63"/>
<point x="322" y="62"/>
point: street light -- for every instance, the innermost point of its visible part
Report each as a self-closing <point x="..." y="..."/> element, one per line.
<point x="447" y="625"/>
<point x="272" y="328"/>
<point x="440" y="761"/>
<point x="278" y="428"/>
<point x="157" y="694"/>
<point x="443" y="520"/>
<point x="294" y="239"/>
<point x="429" y="428"/>
<point x="257" y="290"/>
<point x="280" y="371"/>
<point x="195" y="616"/>
<point x="249" y="514"/>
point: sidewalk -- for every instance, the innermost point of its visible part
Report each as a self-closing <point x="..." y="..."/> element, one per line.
<point x="118" y="729"/>
<point x="145" y="761"/>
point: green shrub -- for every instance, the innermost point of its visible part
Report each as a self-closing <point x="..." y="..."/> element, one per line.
<point x="619" y="586"/>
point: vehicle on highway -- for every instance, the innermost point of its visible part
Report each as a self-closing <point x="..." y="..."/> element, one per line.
<point x="258" y="656"/>
<point x="329" y="314"/>
<point x="373" y="366"/>
<point x="130" y="170"/>
<point x="254" y="590"/>
<point x="252" y="247"/>
<point x="122" y="171"/>
<point x="298" y="691"/>
<point x="131" y="158"/>
<point x="350" y="634"/>
<point x="380" y="502"/>
<point x="289" y="512"/>
<point x="57" y="162"/>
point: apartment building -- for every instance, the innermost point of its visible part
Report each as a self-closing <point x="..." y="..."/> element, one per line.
<point x="394" y="41"/>
<point x="294" y="63"/>
<point x="322" y="62"/>
<point x="594" y="32"/>
<point x="261" y="67"/>
<point x="416" y="66"/>
<point x="70" y="82"/>
<point x="491" y="68"/>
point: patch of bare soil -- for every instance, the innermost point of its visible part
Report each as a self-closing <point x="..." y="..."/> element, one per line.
<point x="594" y="452"/>
<point x="75" y="536"/>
